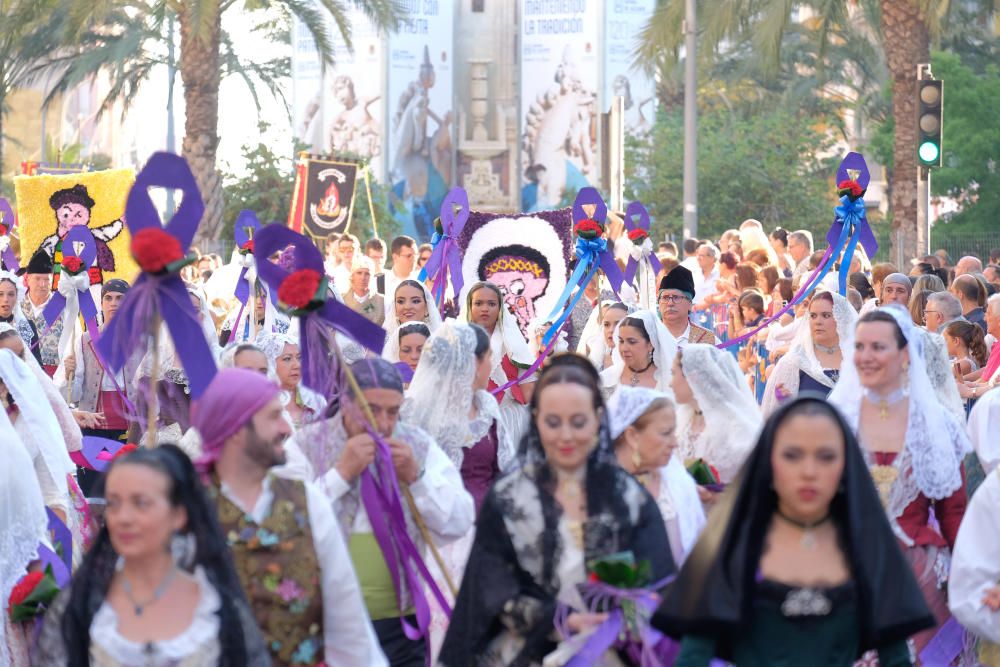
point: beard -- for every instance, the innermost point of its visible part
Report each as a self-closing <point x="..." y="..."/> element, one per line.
<point x="265" y="453"/>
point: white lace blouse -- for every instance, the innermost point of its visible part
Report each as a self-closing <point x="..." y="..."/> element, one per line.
<point x="197" y="646"/>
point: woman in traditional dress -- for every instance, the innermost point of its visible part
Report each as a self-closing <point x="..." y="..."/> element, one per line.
<point x="301" y="403"/>
<point x="820" y="347"/>
<point x="412" y="302"/>
<point x="644" y="428"/>
<point x="718" y="418"/>
<point x="643" y="355"/>
<point x="569" y="505"/>
<point x="411" y="339"/>
<point x="158" y="587"/>
<point x="12" y="292"/>
<point x="23" y="526"/>
<point x="598" y="339"/>
<point x="510" y="354"/>
<point x="797" y="566"/>
<point x="912" y="445"/>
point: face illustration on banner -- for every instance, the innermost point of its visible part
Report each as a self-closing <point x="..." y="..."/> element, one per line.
<point x="522" y="274"/>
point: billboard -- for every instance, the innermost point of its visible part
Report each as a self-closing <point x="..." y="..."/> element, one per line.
<point x="420" y="154"/>
<point x="623" y="21"/>
<point x="560" y="66"/>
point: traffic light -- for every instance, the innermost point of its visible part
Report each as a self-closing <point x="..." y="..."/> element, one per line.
<point x="930" y="122"/>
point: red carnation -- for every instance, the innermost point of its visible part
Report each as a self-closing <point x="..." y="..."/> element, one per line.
<point x="72" y="265"/>
<point x="638" y="235"/>
<point x="589" y="229"/>
<point x="851" y="187"/>
<point x="24" y="588"/>
<point x="3" y="230"/>
<point x="299" y="289"/>
<point x="154" y="249"/>
<point x="247" y="248"/>
<point x="125" y="451"/>
<point x="593" y="578"/>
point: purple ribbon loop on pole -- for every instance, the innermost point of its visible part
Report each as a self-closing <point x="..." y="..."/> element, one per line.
<point x="166" y="294"/>
<point x="446" y="259"/>
<point x="854" y="167"/>
<point x="631" y="211"/>
<point x="86" y="255"/>
<point x="245" y="230"/>
<point x="98" y="452"/>
<point x="275" y="238"/>
<point x="7" y="220"/>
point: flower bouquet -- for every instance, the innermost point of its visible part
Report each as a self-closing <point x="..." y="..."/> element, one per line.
<point x="32" y="596"/>
<point x="620" y="587"/>
<point x="705" y="475"/>
<point x="158" y="252"/>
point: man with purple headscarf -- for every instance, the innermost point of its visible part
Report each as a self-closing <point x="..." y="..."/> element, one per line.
<point x="340" y="450"/>
<point x="285" y="542"/>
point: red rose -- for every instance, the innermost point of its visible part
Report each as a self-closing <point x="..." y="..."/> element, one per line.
<point x="247" y="248"/>
<point x="72" y="264"/>
<point x="3" y="230"/>
<point x="588" y="229"/>
<point x="299" y="289"/>
<point x="593" y="578"/>
<point x="852" y="188"/>
<point x="153" y="249"/>
<point x="125" y="451"/>
<point x="638" y="235"/>
<point x="24" y="588"/>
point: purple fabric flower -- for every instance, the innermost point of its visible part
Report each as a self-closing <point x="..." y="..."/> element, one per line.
<point x="289" y="590"/>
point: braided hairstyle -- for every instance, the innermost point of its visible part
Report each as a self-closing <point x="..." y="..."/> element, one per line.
<point x="973" y="337"/>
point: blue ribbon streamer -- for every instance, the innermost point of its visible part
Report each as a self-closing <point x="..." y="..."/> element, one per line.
<point x="588" y="253"/>
<point x="852" y="214"/>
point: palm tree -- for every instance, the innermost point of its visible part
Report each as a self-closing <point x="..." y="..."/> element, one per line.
<point x="125" y="38"/>
<point x="901" y="29"/>
<point x="24" y="39"/>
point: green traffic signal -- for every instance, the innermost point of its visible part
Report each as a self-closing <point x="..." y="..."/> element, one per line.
<point x="929" y="152"/>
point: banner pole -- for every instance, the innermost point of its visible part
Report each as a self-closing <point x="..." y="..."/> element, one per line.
<point x="371" y="204"/>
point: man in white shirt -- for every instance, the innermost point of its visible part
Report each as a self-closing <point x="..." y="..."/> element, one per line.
<point x="707" y="273"/>
<point x="359" y="297"/>
<point x="282" y="533"/>
<point x="800" y="247"/>
<point x="339" y="451"/>
<point x="690" y="261"/>
<point x="347" y="248"/>
<point x="404" y="259"/>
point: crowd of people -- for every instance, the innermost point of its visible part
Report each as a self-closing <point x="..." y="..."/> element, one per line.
<point x="783" y="476"/>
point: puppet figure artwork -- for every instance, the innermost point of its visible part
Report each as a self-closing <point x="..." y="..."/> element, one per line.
<point x="72" y="207"/>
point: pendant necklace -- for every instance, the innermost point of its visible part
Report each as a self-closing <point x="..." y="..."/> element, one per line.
<point x="157" y="594"/>
<point x="635" y="374"/>
<point x="829" y="349"/>
<point x="808" y="541"/>
<point x="885" y="402"/>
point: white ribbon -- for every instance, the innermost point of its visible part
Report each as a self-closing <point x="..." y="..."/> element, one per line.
<point x="70" y="287"/>
<point x="4" y="243"/>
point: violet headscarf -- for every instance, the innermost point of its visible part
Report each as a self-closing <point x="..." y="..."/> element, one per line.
<point x="231" y="400"/>
<point x="376" y="373"/>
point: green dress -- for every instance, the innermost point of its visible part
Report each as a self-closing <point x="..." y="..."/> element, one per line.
<point x="793" y="627"/>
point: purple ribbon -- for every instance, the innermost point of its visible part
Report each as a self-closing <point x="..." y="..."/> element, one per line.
<point x="317" y="374"/>
<point x="246" y="228"/>
<point x="854" y="162"/>
<point x="447" y="258"/>
<point x="381" y="497"/>
<point x="536" y="365"/>
<point x="98" y="452"/>
<point x="637" y="209"/>
<point x="591" y="197"/>
<point x="164" y="294"/>
<point x="7" y="220"/>
<point x="405" y="372"/>
<point x="946" y="645"/>
<point x="62" y="537"/>
<point x="86" y="255"/>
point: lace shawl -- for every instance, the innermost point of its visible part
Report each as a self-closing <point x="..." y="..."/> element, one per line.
<point x="664" y="350"/>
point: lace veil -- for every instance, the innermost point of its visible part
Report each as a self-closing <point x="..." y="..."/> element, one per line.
<point x="801" y="355"/>
<point x="440" y="396"/>
<point x="732" y="418"/>
<point x="940" y="374"/>
<point x="935" y="444"/>
<point x="592" y="343"/>
<point x="664" y="350"/>
<point x="23" y="523"/>
<point x="271" y="344"/>
<point x="20" y="321"/>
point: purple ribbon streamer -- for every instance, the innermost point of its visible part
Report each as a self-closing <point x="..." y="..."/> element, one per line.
<point x="591" y="197"/>
<point x="87" y="255"/>
<point x="536" y="365"/>
<point x="61" y="536"/>
<point x="945" y="646"/>
<point x="637" y="209"/>
<point x="381" y="497"/>
<point x="7" y="220"/>
<point x="247" y="223"/>
<point x="275" y="238"/>
<point x="163" y="294"/>
<point x="446" y="257"/>
<point x="94" y="446"/>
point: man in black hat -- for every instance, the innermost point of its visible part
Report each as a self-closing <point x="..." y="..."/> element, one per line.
<point x="675" y="298"/>
<point x="99" y="394"/>
<point x="38" y="280"/>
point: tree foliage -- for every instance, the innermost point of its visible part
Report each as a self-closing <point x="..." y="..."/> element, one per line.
<point x="763" y="165"/>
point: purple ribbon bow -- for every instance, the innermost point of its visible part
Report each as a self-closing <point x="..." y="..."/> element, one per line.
<point x="163" y="294"/>
<point x="318" y="368"/>
<point x="7" y="220"/>
<point x="86" y="255"/>
<point x="637" y="209"/>
<point x="447" y="258"/>
<point x="854" y="168"/>
<point x="591" y="197"/>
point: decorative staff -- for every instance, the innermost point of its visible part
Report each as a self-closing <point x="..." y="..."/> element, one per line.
<point x="161" y="252"/>
<point x="592" y="254"/>
<point x="8" y="260"/>
<point x="642" y="259"/>
<point x="246" y="227"/>
<point x="446" y="259"/>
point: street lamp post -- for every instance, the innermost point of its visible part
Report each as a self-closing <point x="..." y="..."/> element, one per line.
<point x="690" y="121"/>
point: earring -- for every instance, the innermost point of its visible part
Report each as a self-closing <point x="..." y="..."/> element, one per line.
<point x="906" y="378"/>
<point x="183" y="548"/>
<point x="636" y="460"/>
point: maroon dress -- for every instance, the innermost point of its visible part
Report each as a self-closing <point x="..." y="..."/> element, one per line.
<point x="479" y="466"/>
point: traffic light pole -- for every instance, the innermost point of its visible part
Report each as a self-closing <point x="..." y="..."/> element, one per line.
<point x="923" y="211"/>
<point x="690" y="121"/>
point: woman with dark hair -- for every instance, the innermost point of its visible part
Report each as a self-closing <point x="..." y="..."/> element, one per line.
<point x="796" y="566"/>
<point x="643" y="355"/>
<point x="411" y="302"/>
<point x="860" y="282"/>
<point x="913" y="445"/>
<point x="541" y="526"/>
<point x="966" y="347"/>
<point x="412" y="339"/>
<point x="918" y="303"/>
<point x="157" y="587"/>
<point x="779" y="241"/>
